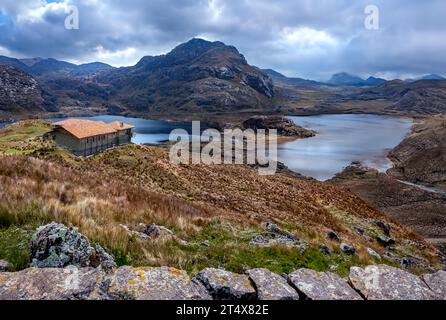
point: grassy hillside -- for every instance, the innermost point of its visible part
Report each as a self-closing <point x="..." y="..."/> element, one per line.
<point x="222" y="206"/>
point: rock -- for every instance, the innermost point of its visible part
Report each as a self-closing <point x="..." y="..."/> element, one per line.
<point x="385" y="241"/>
<point x="101" y="258"/>
<point x="155" y="231"/>
<point x="53" y="284"/>
<point x="322" y="285"/>
<point x="271" y="286"/>
<point x="325" y="249"/>
<point x="155" y="284"/>
<point x="277" y="236"/>
<point x="383" y="282"/>
<point x="302" y="246"/>
<point x="225" y="285"/>
<point x="5" y="266"/>
<point x="333" y="236"/>
<point x="437" y="283"/>
<point x="206" y="243"/>
<point x="374" y="253"/>
<point x="406" y="263"/>
<point x="135" y="233"/>
<point x="273" y="228"/>
<point x="259" y="240"/>
<point x="384" y="226"/>
<point x="358" y="230"/>
<point x="57" y="246"/>
<point x="280" y="234"/>
<point x="346" y="248"/>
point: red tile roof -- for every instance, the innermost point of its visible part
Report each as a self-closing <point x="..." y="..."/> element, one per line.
<point x="81" y="128"/>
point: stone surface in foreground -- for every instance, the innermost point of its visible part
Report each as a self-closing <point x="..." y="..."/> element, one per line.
<point x="322" y="285"/>
<point x="437" y="283"/>
<point x="382" y="282"/>
<point x="155" y="284"/>
<point x="271" y="286"/>
<point x="225" y="285"/>
<point x="52" y="284"/>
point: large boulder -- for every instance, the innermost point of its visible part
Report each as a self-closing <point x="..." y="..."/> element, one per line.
<point x="322" y="285"/>
<point x="53" y="284"/>
<point x="271" y="286"/>
<point x="164" y="283"/>
<point x="383" y="282"/>
<point x="225" y="285"/>
<point x="57" y="246"/>
<point x="437" y="283"/>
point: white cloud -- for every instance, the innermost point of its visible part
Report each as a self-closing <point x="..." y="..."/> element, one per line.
<point x="308" y="38"/>
<point x="305" y="37"/>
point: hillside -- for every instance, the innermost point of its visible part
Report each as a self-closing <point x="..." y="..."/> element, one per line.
<point x="19" y="92"/>
<point x="421" y="157"/>
<point x="218" y="214"/>
<point x="421" y="209"/>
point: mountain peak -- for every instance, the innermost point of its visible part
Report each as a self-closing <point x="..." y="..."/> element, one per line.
<point x="346" y="79"/>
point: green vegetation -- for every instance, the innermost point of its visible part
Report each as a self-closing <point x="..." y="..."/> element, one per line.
<point x="14" y="246"/>
<point x="214" y="212"/>
<point x="21" y="137"/>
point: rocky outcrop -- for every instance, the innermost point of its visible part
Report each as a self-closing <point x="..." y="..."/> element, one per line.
<point x="129" y="283"/>
<point x="437" y="283"/>
<point x="65" y="257"/>
<point x="19" y="92"/>
<point x="276" y="236"/>
<point x="225" y="285"/>
<point x="387" y="283"/>
<point x="57" y="246"/>
<point x="165" y="283"/>
<point x="53" y="284"/>
<point x="322" y="285"/>
<point x="285" y="127"/>
<point x="271" y="286"/>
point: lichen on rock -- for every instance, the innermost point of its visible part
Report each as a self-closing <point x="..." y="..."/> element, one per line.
<point x="57" y="246"/>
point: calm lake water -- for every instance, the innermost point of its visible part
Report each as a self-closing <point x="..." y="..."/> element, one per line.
<point x="342" y="139"/>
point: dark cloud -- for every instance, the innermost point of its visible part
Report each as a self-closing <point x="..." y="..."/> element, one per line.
<point x="309" y="38"/>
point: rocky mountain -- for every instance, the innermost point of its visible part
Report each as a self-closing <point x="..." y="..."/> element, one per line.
<point x="345" y="79"/>
<point x="427" y="77"/>
<point x="19" y="92"/>
<point x="278" y="77"/>
<point x="424" y="97"/>
<point x="197" y="76"/>
<point x="52" y="68"/>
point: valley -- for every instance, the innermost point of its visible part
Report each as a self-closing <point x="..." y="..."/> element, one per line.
<point x="227" y="216"/>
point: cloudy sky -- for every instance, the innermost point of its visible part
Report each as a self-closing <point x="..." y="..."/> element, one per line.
<point x="306" y="38"/>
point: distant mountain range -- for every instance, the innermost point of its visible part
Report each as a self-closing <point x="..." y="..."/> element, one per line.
<point x="427" y="77"/>
<point x="346" y="79"/>
<point x="202" y="79"/>
<point x="51" y="67"/>
<point x="276" y="76"/>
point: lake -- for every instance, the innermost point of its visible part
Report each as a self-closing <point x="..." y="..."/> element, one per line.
<point x="341" y="139"/>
